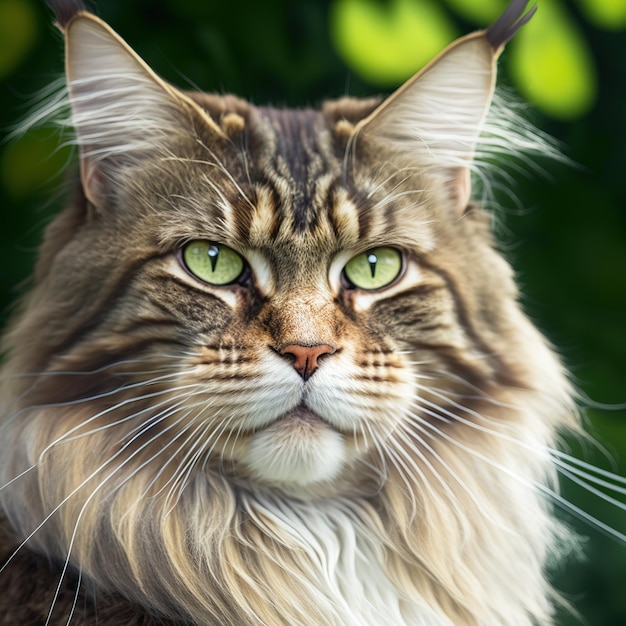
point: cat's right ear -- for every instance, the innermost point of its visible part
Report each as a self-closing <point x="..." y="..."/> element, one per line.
<point x="123" y="113"/>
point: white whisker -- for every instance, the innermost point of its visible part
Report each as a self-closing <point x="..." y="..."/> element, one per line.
<point x="90" y="497"/>
<point x="93" y="474"/>
<point x="534" y="485"/>
<point x="75" y="601"/>
<point x="415" y="424"/>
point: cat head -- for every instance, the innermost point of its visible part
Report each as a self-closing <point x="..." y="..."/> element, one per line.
<point x="305" y="280"/>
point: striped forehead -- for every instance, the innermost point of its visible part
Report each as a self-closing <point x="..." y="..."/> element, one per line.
<point x="340" y="220"/>
<point x="289" y="189"/>
<point x="301" y="193"/>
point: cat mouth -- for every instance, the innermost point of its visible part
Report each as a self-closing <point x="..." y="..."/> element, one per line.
<point x="301" y="413"/>
<point x="300" y="417"/>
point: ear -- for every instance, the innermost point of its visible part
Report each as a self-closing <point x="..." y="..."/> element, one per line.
<point x="437" y="116"/>
<point x="122" y="111"/>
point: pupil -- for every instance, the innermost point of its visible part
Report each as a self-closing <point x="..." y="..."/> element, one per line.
<point x="372" y="260"/>
<point x="213" y="254"/>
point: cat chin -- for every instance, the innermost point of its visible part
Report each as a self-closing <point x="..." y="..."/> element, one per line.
<point x="297" y="450"/>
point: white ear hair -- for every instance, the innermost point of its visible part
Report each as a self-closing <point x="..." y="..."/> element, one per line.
<point x="121" y="110"/>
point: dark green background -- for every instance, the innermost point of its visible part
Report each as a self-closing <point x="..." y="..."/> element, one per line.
<point x="568" y="245"/>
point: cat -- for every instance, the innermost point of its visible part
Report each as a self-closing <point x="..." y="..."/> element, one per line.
<point x="272" y="369"/>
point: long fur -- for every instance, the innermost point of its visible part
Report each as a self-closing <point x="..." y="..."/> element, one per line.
<point x="161" y="447"/>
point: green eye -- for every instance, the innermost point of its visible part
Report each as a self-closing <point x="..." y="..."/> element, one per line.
<point x="212" y="262"/>
<point x="374" y="269"/>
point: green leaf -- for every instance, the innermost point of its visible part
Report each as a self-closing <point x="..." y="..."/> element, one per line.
<point x="33" y="162"/>
<point x="610" y="14"/>
<point x="387" y="43"/>
<point x="18" y="32"/>
<point x="552" y="65"/>
<point x="480" y="12"/>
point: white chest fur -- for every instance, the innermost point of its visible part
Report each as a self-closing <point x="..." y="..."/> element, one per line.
<point x="347" y="568"/>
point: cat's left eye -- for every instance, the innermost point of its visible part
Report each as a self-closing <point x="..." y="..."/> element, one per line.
<point x="374" y="269"/>
<point x="213" y="263"/>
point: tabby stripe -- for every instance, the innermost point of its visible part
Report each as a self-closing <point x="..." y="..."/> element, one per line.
<point x="168" y="278"/>
<point x="331" y="202"/>
<point x="158" y="304"/>
<point x="504" y="373"/>
<point x="140" y="323"/>
<point x="361" y="201"/>
<point x="101" y="312"/>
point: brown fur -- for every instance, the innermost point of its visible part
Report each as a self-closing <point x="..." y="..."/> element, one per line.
<point x="162" y="442"/>
<point x="25" y="594"/>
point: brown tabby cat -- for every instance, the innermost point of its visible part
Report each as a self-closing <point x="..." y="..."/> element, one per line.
<point x="272" y="370"/>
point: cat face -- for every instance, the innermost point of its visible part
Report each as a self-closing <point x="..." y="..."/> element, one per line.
<point x="342" y="298"/>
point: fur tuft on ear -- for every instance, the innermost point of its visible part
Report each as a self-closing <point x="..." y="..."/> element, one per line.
<point x="437" y="117"/>
<point x="507" y="25"/>
<point x="65" y="10"/>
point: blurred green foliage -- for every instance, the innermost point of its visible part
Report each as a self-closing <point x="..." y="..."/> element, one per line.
<point x="18" y="31"/>
<point x="568" y="245"/>
<point x="552" y="65"/>
<point x="385" y="43"/>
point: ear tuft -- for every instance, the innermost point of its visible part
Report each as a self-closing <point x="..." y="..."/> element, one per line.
<point x="344" y="129"/>
<point x="232" y="124"/>
<point x="66" y="10"/>
<point x="507" y="25"/>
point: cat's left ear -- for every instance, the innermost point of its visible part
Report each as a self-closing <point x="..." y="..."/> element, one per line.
<point x="123" y="113"/>
<point x="437" y="116"/>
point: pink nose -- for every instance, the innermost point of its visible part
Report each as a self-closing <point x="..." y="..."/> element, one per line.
<point x="305" y="357"/>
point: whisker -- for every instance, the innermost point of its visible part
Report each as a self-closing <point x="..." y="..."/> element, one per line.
<point x="164" y="466"/>
<point x="74" y="601"/>
<point x="67" y="437"/>
<point x="106" y="394"/>
<point x="583" y="479"/>
<point x="20" y="475"/>
<point x="92" y="475"/>
<point x="98" y="370"/>
<point x="104" y="368"/>
<point x="409" y="469"/>
<point x="542" y="452"/>
<point x="181" y="477"/>
<point x="88" y="500"/>
<point x="134" y="399"/>
<point x="591" y="469"/>
<point x="533" y="485"/>
<point x="216" y="437"/>
<point x="380" y="447"/>
<point x="199" y="442"/>
<point x="476" y="500"/>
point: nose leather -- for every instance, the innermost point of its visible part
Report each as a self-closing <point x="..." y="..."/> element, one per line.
<point x="305" y="357"/>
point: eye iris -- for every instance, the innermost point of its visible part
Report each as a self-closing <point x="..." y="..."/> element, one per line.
<point x="374" y="269"/>
<point x="213" y="263"/>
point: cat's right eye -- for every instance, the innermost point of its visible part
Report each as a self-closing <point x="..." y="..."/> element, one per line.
<point x="213" y="263"/>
